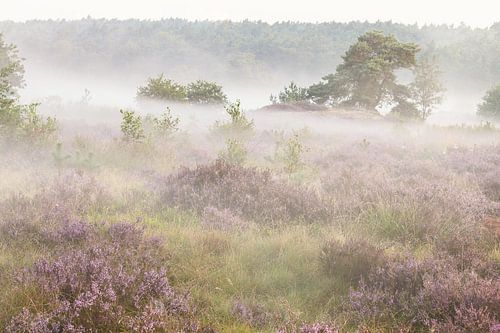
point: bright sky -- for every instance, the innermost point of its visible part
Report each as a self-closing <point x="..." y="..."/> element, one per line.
<point x="477" y="13"/>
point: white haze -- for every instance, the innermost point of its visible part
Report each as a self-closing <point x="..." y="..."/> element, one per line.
<point x="479" y="13"/>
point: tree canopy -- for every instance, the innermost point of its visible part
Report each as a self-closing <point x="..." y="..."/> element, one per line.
<point x="490" y="107"/>
<point x="366" y="77"/>
<point x="246" y="50"/>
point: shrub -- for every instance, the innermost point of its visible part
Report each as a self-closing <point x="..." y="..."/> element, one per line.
<point x="198" y="92"/>
<point x="490" y="107"/>
<point x="289" y="153"/>
<point x="131" y="126"/>
<point x="19" y="121"/>
<point x="351" y="260"/>
<point x="163" y="89"/>
<point x="291" y="94"/>
<point x="204" y="92"/>
<point x="34" y="127"/>
<point x="238" y="125"/>
<point x="235" y="152"/>
<point x="166" y="124"/>
<point x="247" y="192"/>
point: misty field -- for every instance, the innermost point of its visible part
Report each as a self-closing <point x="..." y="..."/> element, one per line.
<point x="341" y="206"/>
<point x="334" y="225"/>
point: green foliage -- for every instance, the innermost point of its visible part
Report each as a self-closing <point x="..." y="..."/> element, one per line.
<point x="405" y="107"/>
<point x="19" y="121"/>
<point x="163" y="89"/>
<point x="36" y="128"/>
<point x="10" y="62"/>
<point x="290" y="153"/>
<point x="366" y="78"/>
<point x="235" y="152"/>
<point x="166" y="124"/>
<point x="198" y="92"/>
<point x="238" y="126"/>
<point x="490" y="107"/>
<point x="426" y="89"/>
<point x="204" y="92"/>
<point x="246" y="50"/>
<point x="131" y="126"/>
<point x="290" y="94"/>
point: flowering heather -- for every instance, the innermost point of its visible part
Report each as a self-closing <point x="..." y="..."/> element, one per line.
<point x="254" y="315"/>
<point x="248" y="192"/>
<point x="113" y="285"/>
<point x="480" y="163"/>
<point x="223" y="220"/>
<point x="52" y="214"/>
<point x="398" y="195"/>
<point x="433" y="294"/>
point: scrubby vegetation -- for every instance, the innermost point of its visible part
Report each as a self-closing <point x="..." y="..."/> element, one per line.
<point x="490" y="107"/>
<point x="18" y="121"/>
<point x="367" y="80"/>
<point x="246" y="225"/>
<point x="199" y="92"/>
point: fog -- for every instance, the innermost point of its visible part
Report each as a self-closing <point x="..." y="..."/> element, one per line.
<point x="62" y="94"/>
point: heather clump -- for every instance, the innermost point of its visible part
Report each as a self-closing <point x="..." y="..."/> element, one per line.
<point x="248" y="192"/>
<point x="112" y="284"/>
<point x="430" y="295"/>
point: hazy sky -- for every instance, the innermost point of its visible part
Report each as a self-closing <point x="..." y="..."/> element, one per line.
<point x="479" y="13"/>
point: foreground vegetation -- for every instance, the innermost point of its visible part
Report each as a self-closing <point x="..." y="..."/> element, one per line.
<point x="167" y="234"/>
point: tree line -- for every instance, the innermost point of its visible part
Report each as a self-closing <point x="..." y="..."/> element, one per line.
<point x="246" y="50"/>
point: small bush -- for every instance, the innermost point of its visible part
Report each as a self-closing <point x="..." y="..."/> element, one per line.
<point x="490" y="107"/>
<point x="204" y="92"/>
<point x="235" y="152"/>
<point x="163" y="89"/>
<point x="131" y="126"/>
<point x="247" y="192"/>
<point x="290" y="153"/>
<point x="291" y="94"/>
<point x="238" y="126"/>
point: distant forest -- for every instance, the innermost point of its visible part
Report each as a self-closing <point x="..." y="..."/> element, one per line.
<point x="253" y="51"/>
